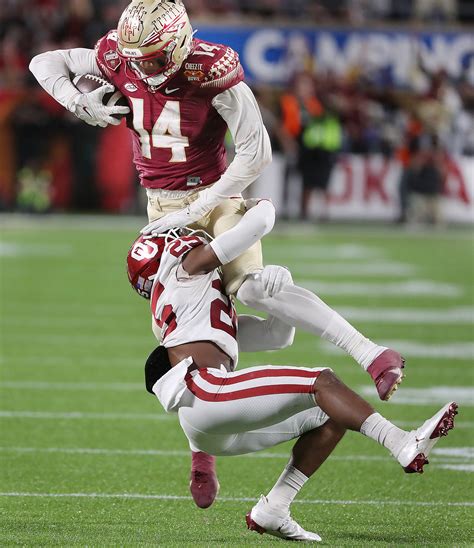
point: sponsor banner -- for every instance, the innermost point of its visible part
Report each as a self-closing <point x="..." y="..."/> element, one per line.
<point x="271" y="55"/>
<point x="367" y="188"/>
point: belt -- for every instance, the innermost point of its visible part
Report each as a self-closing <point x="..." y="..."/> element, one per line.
<point x="164" y="194"/>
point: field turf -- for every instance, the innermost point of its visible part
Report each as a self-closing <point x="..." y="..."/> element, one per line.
<point x="90" y="459"/>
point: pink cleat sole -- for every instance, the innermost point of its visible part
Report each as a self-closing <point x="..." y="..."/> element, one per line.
<point x="386" y="372"/>
<point x="446" y="423"/>
<point x="204" y="485"/>
<point x="254" y="526"/>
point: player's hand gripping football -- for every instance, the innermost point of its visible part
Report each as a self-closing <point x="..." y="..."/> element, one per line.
<point x="89" y="108"/>
<point x="274" y="278"/>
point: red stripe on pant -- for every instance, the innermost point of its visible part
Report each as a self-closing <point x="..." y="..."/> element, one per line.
<point x="242" y="377"/>
<point x="247" y="392"/>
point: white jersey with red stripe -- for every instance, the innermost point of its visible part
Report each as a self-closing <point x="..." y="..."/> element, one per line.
<point x="192" y="308"/>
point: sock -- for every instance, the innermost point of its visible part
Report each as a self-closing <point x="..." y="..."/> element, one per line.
<point x="286" y="488"/>
<point x="342" y="334"/>
<point x="384" y="432"/>
<point x="302" y="309"/>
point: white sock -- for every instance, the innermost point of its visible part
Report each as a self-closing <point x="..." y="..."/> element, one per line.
<point x="302" y="309"/>
<point x="342" y="334"/>
<point x="384" y="432"/>
<point x="286" y="488"/>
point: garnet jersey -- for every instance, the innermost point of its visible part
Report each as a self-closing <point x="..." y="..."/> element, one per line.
<point x="178" y="136"/>
<point x="192" y="308"/>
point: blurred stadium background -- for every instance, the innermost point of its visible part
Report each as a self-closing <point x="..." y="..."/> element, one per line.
<point x="389" y="86"/>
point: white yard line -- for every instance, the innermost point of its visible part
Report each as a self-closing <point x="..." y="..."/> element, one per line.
<point x="417" y="349"/>
<point x="80" y="415"/>
<point x="415" y="288"/>
<point x="131" y="223"/>
<point x="347" y="269"/>
<point x="421" y="316"/>
<point x="457" y="467"/>
<point x="67" y="222"/>
<point x="236" y="499"/>
<point x="431" y="316"/>
<point x="455" y="452"/>
<point x="85" y="339"/>
<point x="168" y="453"/>
<point x="433" y="395"/>
<point x="74" y="386"/>
<point x="316" y="252"/>
<point x="34" y="250"/>
<point x="372" y="231"/>
<point x="66" y="361"/>
<point x="443" y="459"/>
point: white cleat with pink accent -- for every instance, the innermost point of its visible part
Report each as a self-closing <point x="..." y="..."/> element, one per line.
<point x="264" y="519"/>
<point x="418" y="443"/>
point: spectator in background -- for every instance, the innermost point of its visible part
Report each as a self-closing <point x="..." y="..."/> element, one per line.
<point x="311" y="136"/>
<point x="422" y="180"/>
<point x="436" y="10"/>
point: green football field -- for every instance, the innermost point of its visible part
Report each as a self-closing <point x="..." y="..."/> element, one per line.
<point x="90" y="459"/>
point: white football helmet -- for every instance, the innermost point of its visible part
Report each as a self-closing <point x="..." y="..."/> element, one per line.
<point x="154" y="39"/>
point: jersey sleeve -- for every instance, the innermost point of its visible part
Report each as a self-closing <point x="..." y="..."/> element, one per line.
<point x="107" y="56"/>
<point x="174" y="254"/>
<point x="214" y="67"/>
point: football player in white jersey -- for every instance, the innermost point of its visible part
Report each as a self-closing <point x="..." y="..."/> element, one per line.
<point x="228" y="412"/>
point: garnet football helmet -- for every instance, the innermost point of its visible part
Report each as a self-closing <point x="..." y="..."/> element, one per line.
<point x="143" y="261"/>
<point x="154" y="39"/>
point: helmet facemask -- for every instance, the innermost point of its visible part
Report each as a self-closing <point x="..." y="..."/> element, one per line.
<point x="154" y="39"/>
<point x="144" y="257"/>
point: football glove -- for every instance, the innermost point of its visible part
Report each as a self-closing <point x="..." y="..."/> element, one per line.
<point x="177" y="219"/>
<point x="275" y="278"/>
<point x="89" y="108"/>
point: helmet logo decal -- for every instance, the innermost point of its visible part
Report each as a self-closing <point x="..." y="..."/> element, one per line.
<point x="132" y="23"/>
<point x="144" y="250"/>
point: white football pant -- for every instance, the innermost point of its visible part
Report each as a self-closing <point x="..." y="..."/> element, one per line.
<point x="233" y="413"/>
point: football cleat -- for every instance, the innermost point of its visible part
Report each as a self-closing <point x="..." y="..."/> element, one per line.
<point x="386" y="371"/>
<point x="264" y="519"/>
<point x="203" y="483"/>
<point x="418" y="443"/>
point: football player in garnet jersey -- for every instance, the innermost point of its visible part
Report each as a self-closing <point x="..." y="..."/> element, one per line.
<point x="183" y="95"/>
<point x="226" y="412"/>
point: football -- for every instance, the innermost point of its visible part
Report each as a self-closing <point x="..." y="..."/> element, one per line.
<point x="86" y="83"/>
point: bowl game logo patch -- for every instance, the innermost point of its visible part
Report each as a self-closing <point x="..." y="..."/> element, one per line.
<point x="112" y="59"/>
<point x="194" y="75"/>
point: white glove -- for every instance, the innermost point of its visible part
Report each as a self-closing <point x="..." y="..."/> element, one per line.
<point x="178" y="219"/>
<point x="89" y="108"/>
<point x="275" y="278"/>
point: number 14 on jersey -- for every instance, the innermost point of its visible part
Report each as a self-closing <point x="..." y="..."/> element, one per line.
<point x="166" y="132"/>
